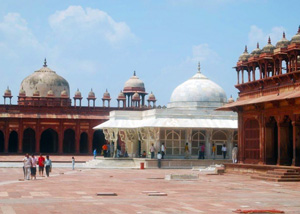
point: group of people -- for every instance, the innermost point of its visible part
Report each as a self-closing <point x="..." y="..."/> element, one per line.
<point x="160" y="154"/>
<point x="31" y="163"/>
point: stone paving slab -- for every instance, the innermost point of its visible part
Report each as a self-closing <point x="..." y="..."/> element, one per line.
<point x="75" y="192"/>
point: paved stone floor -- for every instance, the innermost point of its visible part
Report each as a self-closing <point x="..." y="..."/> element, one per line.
<point x="68" y="191"/>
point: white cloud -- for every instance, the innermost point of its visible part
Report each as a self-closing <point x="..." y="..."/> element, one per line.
<point x="203" y="53"/>
<point x="257" y="34"/>
<point x="78" y="23"/>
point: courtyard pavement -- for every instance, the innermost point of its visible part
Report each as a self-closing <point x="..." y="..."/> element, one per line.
<point x="74" y="191"/>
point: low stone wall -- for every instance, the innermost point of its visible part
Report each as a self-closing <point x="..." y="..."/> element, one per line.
<point x="182" y="163"/>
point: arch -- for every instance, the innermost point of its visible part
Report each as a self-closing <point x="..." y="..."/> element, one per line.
<point x="84" y="142"/>
<point x="69" y="141"/>
<point x="49" y="141"/>
<point x="29" y="140"/>
<point x="13" y="142"/>
<point x="1" y="141"/>
<point x="251" y="140"/>
<point x="271" y="141"/>
<point x="98" y="140"/>
<point x="198" y="138"/>
<point x="174" y="143"/>
<point x="219" y="135"/>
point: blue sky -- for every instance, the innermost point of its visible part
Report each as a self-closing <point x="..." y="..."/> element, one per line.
<point x="98" y="44"/>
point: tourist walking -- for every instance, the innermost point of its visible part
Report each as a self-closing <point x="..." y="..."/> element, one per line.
<point x="95" y="153"/>
<point x="27" y="167"/>
<point x="48" y="165"/>
<point x="186" y="151"/>
<point x="152" y="150"/>
<point x="213" y="151"/>
<point x="234" y="154"/>
<point x="41" y="163"/>
<point x="224" y="151"/>
<point x="34" y="161"/>
<point x="163" y="150"/>
<point x="159" y="157"/>
<point x="73" y="163"/>
<point x="104" y="149"/>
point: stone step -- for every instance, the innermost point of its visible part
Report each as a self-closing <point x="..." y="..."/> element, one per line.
<point x="285" y="170"/>
<point x="276" y="179"/>
<point x="289" y="180"/>
<point x="278" y="176"/>
<point x="282" y="173"/>
<point x="264" y="178"/>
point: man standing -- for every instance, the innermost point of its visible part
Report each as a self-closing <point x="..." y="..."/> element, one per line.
<point x="187" y="151"/>
<point x="202" y="151"/>
<point x="213" y="151"/>
<point x="159" y="157"/>
<point x="27" y="166"/>
<point x="163" y="150"/>
<point x="34" y="161"/>
<point x="224" y="150"/>
<point x="234" y="154"/>
<point x="152" y="150"/>
<point x="41" y="162"/>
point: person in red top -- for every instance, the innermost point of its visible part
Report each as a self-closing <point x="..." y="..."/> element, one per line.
<point x="41" y="162"/>
<point x="104" y="148"/>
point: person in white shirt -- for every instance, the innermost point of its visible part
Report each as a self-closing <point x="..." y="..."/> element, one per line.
<point x="163" y="150"/>
<point x="234" y="154"/>
<point x="27" y="166"/>
<point x="224" y="150"/>
<point x="152" y="150"/>
<point x="159" y="157"/>
<point x="34" y="161"/>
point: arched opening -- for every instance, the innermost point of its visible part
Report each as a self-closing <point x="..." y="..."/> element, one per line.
<point x="29" y="140"/>
<point x="286" y="142"/>
<point x="98" y="140"/>
<point x="198" y="139"/>
<point x="257" y="74"/>
<point x="49" y="141"/>
<point x="284" y="67"/>
<point x="271" y="141"/>
<point x="83" y="142"/>
<point x="251" y="141"/>
<point x="13" y="142"/>
<point x="219" y="138"/>
<point x="69" y="141"/>
<point x="1" y="141"/>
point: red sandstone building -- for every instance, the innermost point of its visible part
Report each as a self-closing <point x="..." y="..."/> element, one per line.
<point x="269" y="103"/>
<point x="44" y="119"/>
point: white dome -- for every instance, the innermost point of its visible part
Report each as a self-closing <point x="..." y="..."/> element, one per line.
<point x="44" y="80"/>
<point x="198" y="92"/>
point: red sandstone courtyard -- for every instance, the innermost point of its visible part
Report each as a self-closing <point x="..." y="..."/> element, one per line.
<point x="68" y="191"/>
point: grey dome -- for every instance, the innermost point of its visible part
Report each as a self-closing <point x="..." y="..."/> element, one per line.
<point x="134" y="84"/>
<point x="44" y="80"/>
<point x="283" y="43"/>
<point x="256" y="51"/>
<point x="296" y="38"/>
<point x="269" y="48"/>
<point x="197" y="92"/>
<point x="244" y="56"/>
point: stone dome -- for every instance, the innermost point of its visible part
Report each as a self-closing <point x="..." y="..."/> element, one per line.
<point x="22" y="93"/>
<point x="283" y="43"/>
<point x="230" y="100"/>
<point x="296" y="38"/>
<point x="245" y="56"/>
<point x="45" y="79"/>
<point x="269" y="48"/>
<point x="198" y="92"/>
<point x="91" y="94"/>
<point x="7" y="92"/>
<point x="256" y="51"/>
<point x="50" y="93"/>
<point x="106" y="95"/>
<point x="151" y="97"/>
<point x="136" y="97"/>
<point x="64" y="93"/>
<point x="78" y="94"/>
<point x="36" y="93"/>
<point x="134" y="84"/>
<point x="121" y="96"/>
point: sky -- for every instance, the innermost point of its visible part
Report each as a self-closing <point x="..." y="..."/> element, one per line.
<point x="99" y="44"/>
